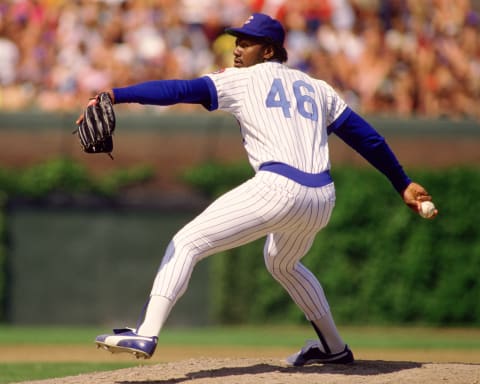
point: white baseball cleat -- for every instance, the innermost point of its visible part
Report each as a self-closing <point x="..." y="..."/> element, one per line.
<point x="127" y="340"/>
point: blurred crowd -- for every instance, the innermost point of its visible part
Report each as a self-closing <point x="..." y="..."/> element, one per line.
<point x="387" y="57"/>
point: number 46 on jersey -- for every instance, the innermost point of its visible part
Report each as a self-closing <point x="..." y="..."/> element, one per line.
<point x="306" y="105"/>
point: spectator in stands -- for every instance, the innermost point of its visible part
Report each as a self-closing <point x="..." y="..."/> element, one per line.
<point x="401" y="57"/>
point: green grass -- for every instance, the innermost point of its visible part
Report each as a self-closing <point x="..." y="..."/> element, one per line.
<point x="269" y="336"/>
<point x="14" y="372"/>
<point x="47" y="335"/>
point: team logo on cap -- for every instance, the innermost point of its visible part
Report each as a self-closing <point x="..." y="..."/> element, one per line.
<point x="248" y="20"/>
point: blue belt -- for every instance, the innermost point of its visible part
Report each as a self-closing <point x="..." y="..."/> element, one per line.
<point x="307" y="179"/>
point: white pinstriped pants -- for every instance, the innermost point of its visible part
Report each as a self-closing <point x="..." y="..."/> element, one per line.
<point x="289" y="214"/>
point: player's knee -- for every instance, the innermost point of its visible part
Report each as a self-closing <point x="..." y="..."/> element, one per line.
<point x="189" y="248"/>
<point x="279" y="270"/>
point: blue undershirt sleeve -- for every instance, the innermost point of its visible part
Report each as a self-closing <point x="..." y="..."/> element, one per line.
<point x="168" y="92"/>
<point x="363" y="138"/>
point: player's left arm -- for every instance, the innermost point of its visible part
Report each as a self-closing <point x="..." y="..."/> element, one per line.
<point x="362" y="137"/>
<point x="168" y="92"/>
<point x="165" y="92"/>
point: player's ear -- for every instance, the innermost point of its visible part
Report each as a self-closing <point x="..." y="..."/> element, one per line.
<point x="268" y="52"/>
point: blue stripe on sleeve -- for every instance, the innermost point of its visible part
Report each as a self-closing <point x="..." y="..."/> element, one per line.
<point x="362" y="137"/>
<point x="169" y="92"/>
<point x="213" y="94"/>
<point x="339" y="121"/>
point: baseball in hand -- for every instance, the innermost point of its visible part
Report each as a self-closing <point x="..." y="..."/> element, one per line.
<point x="427" y="209"/>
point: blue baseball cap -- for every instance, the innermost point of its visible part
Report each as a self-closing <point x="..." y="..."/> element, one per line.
<point x="261" y="26"/>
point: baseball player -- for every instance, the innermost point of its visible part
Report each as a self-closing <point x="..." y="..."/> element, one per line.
<point x="285" y="118"/>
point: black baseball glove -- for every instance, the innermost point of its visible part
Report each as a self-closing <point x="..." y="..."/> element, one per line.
<point x="96" y="128"/>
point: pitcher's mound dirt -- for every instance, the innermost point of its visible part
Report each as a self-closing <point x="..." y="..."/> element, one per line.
<point x="266" y="371"/>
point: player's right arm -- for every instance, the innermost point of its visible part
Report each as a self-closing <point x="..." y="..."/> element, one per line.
<point x="362" y="137"/>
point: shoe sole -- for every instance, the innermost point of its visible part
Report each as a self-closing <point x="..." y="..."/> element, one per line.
<point x="313" y="362"/>
<point x="139" y="354"/>
<point x="329" y="362"/>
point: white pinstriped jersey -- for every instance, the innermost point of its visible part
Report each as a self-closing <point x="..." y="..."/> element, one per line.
<point x="283" y="113"/>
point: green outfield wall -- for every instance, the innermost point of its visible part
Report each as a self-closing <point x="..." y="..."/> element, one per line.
<point x="92" y="266"/>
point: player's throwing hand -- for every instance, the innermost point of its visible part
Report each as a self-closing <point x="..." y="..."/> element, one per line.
<point x="414" y="195"/>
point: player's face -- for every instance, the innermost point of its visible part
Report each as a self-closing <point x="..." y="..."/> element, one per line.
<point x="249" y="52"/>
